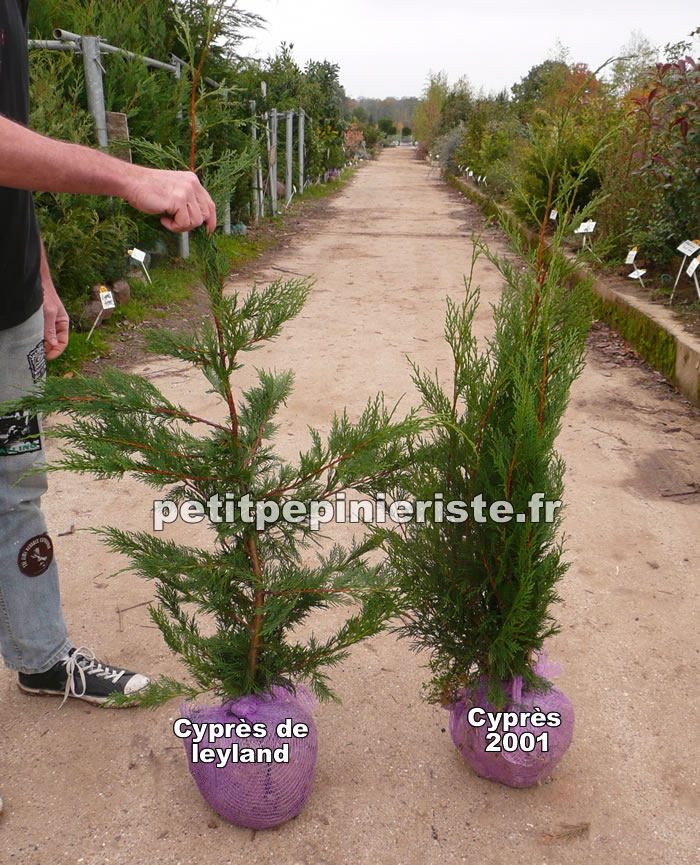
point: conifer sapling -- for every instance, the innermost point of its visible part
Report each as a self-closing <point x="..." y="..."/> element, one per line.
<point x="256" y="586"/>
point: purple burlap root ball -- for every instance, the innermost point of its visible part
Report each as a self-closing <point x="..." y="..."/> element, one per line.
<point x="518" y="768"/>
<point x="265" y="794"/>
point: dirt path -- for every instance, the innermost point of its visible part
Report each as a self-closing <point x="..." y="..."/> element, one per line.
<point x="84" y="785"/>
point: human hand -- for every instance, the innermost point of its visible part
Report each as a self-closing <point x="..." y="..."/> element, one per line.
<point x="56" y="321"/>
<point x="178" y="195"/>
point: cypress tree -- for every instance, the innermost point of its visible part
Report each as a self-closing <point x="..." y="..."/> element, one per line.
<point x="256" y="584"/>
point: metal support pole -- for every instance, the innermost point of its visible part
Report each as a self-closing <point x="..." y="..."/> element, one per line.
<point x="261" y="178"/>
<point x="93" y="84"/>
<point x="256" y="189"/>
<point x="268" y="145"/>
<point x="272" y="167"/>
<point x="289" y="157"/>
<point x="183" y="238"/>
<point x="302" y="118"/>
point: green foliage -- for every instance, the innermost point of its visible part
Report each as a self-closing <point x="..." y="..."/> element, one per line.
<point x="85" y="237"/>
<point x="447" y="147"/>
<point x="256" y="585"/>
<point x="457" y="107"/>
<point x="372" y="137"/>
<point x="86" y="240"/>
<point x="386" y="126"/>
<point x="426" y="117"/>
<point x="547" y="155"/>
<point x="643" y="189"/>
<point x="477" y="594"/>
<point x="372" y="110"/>
<point x="540" y="86"/>
<point x="170" y="120"/>
<point x="78" y="351"/>
<point x="669" y="117"/>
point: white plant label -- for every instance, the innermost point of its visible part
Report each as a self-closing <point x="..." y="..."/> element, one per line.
<point x="106" y="298"/>
<point x="638" y="273"/>
<point x="631" y="255"/>
<point x="693" y="266"/>
<point x="138" y="255"/>
<point x="688" y="247"/>
<point x="586" y="227"/>
<point x="553" y="214"/>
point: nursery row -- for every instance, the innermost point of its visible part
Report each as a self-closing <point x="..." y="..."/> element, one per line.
<point x="640" y="117"/>
<point x="194" y="104"/>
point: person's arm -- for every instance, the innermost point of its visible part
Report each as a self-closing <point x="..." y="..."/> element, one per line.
<point x="56" y="320"/>
<point x="32" y="161"/>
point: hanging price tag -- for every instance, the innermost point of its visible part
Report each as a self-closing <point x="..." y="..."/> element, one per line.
<point x="631" y="255"/>
<point x="106" y="298"/>
<point x="693" y="266"/>
<point x="553" y="214"/>
<point x="688" y="247"/>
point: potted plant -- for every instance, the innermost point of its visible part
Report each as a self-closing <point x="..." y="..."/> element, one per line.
<point x="478" y="576"/>
<point x="231" y="608"/>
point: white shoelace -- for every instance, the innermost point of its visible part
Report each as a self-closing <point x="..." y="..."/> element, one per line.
<point x="82" y="661"/>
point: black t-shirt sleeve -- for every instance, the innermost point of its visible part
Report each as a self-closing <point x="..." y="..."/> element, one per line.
<point x="20" y="286"/>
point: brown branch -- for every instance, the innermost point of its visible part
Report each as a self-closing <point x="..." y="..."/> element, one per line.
<point x="324" y="591"/>
<point x="544" y="382"/>
<point x="354" y="484"/>
<point x="256" y="627"/>
<point x="141" y="447"/>
<point x="542" y="272"/>
<point x="193" y="105"/>
<point x="187" y="416"/>
<point x="258" y="440"/>
<point x="491" y="580"/>
<point x="175" y="475"/>
<point x="157" y="410"/>
<point x="222" y="359"/>
<point x="280" y="490"/>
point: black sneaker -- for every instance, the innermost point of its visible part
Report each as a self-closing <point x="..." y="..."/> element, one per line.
<point x="81" y="675"/>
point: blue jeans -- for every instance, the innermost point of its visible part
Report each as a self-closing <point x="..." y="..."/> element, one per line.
<point x="33" y="633"/>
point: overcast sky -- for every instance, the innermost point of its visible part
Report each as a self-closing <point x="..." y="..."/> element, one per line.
<point x="387" y="47"/>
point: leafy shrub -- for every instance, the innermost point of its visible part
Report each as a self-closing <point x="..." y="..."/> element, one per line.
<point x="537" y="162"/>
<point x="447" y="147"/>
<point x="85" y="239"/>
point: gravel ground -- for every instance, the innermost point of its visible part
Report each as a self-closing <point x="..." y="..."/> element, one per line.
<point x="86" y="785"/>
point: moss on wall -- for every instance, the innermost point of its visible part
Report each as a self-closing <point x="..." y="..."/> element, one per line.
<point x="654" y="344"/>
